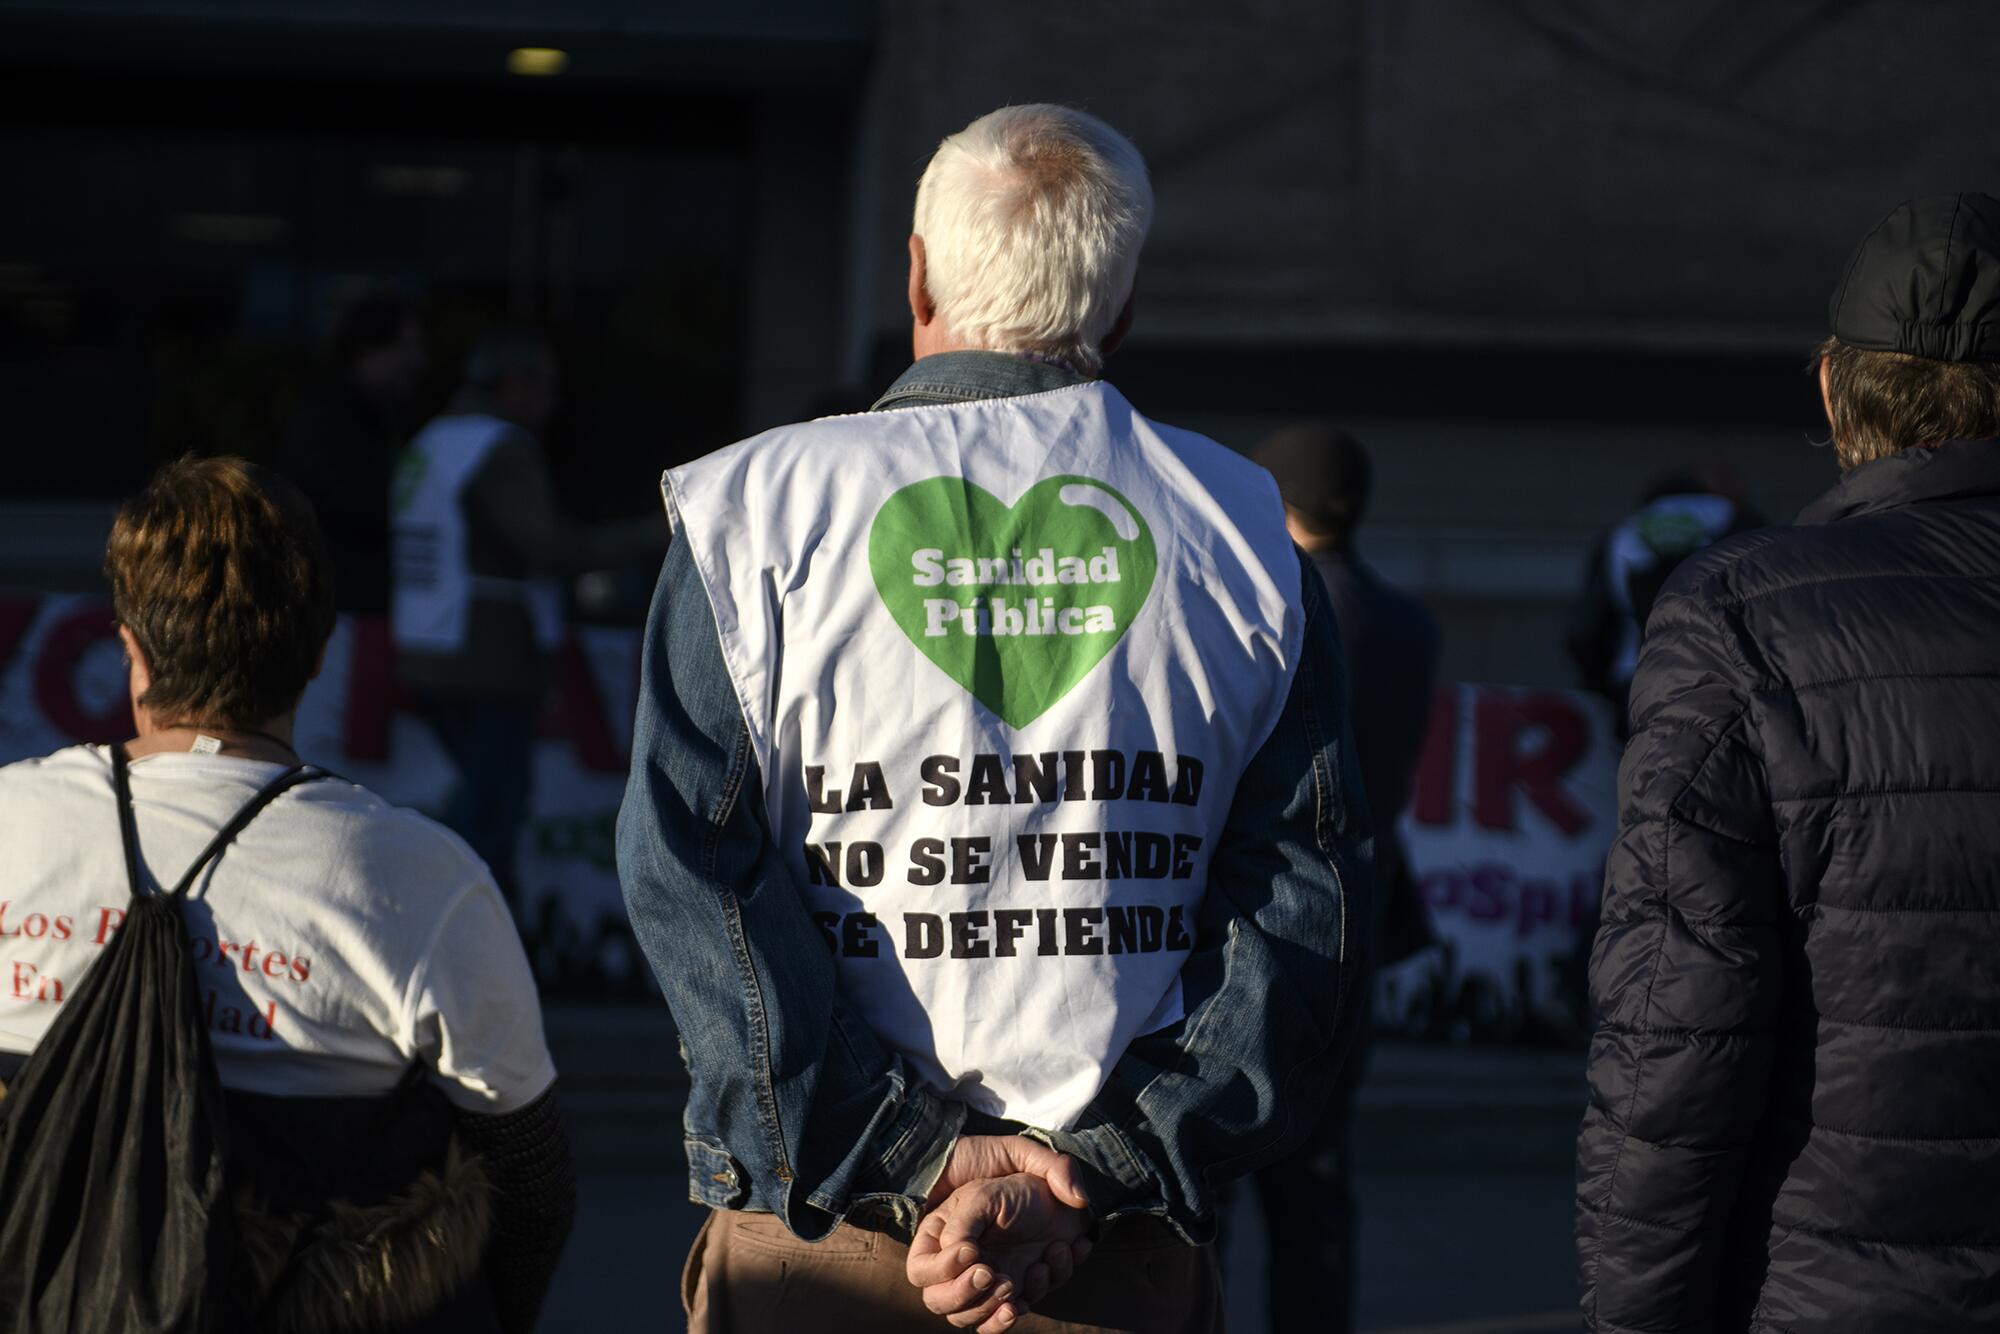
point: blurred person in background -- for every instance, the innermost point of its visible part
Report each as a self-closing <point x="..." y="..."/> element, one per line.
<point x="343" y="444"/>
<point x="1390" y="641"/>
<point x="890" y="1127"/>
<point x="397" y="1154"/>
<point x="479" y="543"/>
<point x="1679" y="515"/>
<point x="1793" y="1121"/>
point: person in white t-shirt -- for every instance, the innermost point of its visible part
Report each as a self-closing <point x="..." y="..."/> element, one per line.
<point x="374" y="1021"/>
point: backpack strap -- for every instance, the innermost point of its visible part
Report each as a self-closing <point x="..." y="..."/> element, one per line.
<point x="277" y="787"/>
<point x="128" y="829"/>
<point x="128" y="832"/>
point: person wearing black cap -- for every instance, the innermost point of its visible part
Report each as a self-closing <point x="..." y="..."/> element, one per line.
<point x="1391" y="645"/>
<point x="1794" y="1119"/>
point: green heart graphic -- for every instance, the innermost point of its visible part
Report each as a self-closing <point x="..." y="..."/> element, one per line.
<point x="1015" y="604"/>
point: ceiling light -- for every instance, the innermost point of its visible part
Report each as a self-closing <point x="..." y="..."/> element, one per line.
<point x="537" y="61"/>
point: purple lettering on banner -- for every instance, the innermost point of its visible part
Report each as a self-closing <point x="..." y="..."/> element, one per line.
<point x="1492" y="886"/>
<point x="1537" y="905"/>
<point x="1441" y="889"/>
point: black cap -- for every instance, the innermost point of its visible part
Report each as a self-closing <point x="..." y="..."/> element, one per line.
<point x="1926" y="281"/>
<point x="1323" y="473"/>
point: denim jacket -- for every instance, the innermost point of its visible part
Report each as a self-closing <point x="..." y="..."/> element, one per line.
<point x="798" y="1108"/>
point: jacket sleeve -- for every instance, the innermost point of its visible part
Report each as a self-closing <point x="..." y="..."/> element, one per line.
<point x="1685" y="974"/>
<point x="1270" y="991"/>
<point x="819" y="1112"/>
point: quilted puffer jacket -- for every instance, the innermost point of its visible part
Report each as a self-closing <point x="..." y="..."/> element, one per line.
<point x="1794" y="1120"/>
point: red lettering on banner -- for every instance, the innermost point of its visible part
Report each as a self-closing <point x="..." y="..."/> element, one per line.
<point x="576" y="713"/>
<point x="1499" y="723"/>
<point x="1437" y="763"/>
<point x="55" y="677"/>
<point x="108" y="921"/>
<point x="374" y="696"/>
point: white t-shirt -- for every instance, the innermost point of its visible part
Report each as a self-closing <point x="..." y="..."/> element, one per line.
<point x="337" y="940"/>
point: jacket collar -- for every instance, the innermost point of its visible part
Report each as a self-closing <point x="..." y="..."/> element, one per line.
<point x="961" y="377"/>
<point x="1910" y="476"/>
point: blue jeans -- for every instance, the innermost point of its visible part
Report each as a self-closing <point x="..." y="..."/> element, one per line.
<point x="492" y="744"/>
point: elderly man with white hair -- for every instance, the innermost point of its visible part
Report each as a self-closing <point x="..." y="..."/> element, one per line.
<point x="992" y="826"/>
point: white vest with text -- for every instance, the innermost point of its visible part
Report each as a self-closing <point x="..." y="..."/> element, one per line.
<point x="1002" y="664"/>
<point x="433" y="583"/>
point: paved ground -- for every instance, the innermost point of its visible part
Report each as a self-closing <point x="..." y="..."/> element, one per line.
<point x="1465" y="1187"/>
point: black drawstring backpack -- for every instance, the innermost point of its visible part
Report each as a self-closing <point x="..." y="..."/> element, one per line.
<point x="115" y="1215"/>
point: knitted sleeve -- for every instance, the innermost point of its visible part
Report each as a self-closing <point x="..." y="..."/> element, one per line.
<point x="528" y="1161"/>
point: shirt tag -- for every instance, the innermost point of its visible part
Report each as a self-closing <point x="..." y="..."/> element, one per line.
<point x="205" y="745"/>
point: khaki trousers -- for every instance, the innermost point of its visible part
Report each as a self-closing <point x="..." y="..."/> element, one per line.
<point x="746" y="1274"/>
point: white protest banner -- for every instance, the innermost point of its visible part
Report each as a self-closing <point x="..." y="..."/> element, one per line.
<point x="1512" y="813"/>
<point x="62" y="681"/>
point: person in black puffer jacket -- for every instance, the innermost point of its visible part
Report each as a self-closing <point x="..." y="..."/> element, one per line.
<point x="1794" y="1120"/>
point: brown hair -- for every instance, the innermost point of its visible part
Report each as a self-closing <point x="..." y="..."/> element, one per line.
<point x="219" y="570"/>
<point x="1880" y="402"/>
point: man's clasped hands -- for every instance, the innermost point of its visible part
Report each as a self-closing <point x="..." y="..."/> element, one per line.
<point x="1005" y="1225"/>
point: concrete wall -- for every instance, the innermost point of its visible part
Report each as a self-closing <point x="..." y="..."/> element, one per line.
<point x="1450" y="177"/>
<point x="1475" y="170"/>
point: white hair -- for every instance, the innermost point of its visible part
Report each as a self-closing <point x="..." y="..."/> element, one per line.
<point x="1032" y="218"/>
